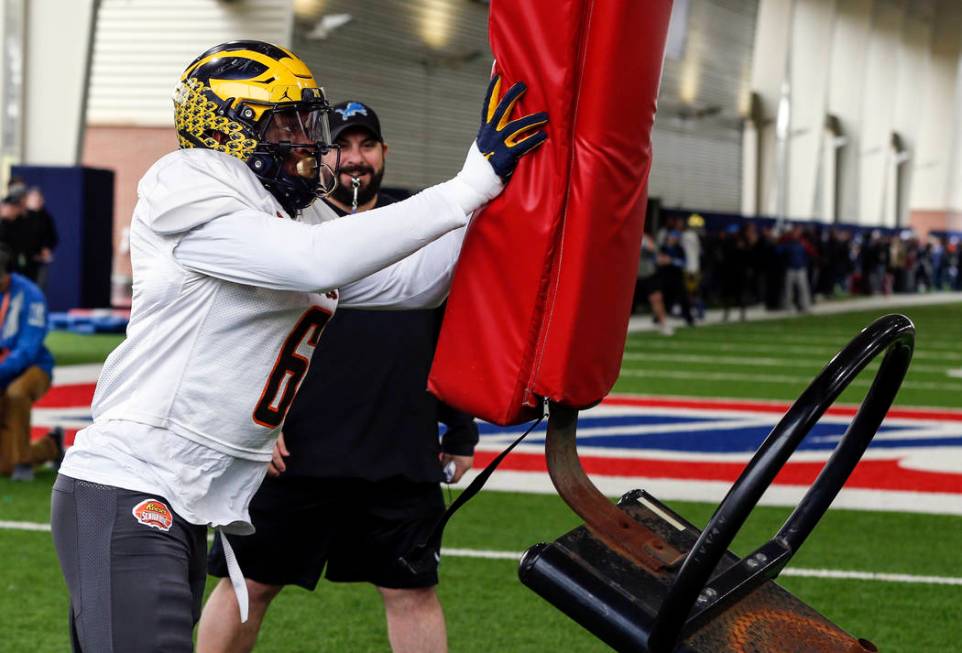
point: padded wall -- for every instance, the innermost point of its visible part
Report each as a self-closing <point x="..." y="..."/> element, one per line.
<point x="540" y="302"/>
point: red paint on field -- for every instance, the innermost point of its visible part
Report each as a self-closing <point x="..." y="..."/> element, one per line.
<point x="65" y="396"/>
<point x="770" y="407"/>
<point x="869" y="474"/>
<point x="873" y="474"/>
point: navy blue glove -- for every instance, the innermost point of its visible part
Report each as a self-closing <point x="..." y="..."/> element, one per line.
<point x="501" y="140"/>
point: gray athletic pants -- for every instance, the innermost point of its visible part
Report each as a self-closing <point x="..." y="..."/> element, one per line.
<point x="134" y="568"/>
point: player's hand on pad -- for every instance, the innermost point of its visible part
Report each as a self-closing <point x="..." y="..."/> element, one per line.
<point x="277" y="466"/>
<point x="501" y="140"/>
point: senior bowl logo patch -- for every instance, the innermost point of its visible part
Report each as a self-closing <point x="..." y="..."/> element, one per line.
<point x="154" y="513"/>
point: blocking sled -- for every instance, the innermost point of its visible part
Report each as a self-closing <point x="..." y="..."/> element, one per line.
<point x="541" y="298"/>
<point x="641" y="578"/>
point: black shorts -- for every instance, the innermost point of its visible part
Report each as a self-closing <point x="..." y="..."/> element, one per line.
<point x="357" y="529"/>
<point x="134" y="568"/>
<point x="649" y="285"/>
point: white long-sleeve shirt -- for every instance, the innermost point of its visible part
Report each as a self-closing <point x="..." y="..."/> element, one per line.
<point x="229" y="299"/>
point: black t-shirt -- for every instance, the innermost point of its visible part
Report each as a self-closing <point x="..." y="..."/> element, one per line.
<point x="26" y="236"/>
<point x="363" y="410"/>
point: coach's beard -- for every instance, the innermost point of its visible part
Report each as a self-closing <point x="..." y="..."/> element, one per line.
<point x="344" y="193"/>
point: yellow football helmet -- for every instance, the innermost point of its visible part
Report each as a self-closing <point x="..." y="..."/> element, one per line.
<point x="259" y="102"/>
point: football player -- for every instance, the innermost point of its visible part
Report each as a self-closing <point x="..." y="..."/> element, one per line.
<point x="230" y="297"/>
<point x="362" y="486"/>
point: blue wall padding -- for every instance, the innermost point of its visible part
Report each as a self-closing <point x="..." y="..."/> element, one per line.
<point x="81" y="201"/>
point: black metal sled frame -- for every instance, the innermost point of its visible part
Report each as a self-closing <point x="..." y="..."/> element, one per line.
<point x="694" y="597"/>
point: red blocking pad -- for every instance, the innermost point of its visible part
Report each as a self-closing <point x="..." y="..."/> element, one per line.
<point x="541" y="298"/>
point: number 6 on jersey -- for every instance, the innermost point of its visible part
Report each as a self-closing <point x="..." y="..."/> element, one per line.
<point x="289" y="369"/>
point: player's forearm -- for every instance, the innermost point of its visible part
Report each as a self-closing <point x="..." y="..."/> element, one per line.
<point x="358" y="246"/>
<point x="421" y="280"/>
<point x="255" y="249"/>
<point x="391" y="234"/>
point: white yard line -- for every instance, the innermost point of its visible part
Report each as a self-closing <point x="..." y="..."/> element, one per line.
<point x="853" y="305"/>
<point x="834" y="574"/>
<point x="771" y="378"/>
<point x="867" y="575"/>
<point x="753" y="361"/>
<point x="732" y="345"/>
<point x="837" y="342"/>
<point x="23" y="526"/>
<point x="73" y="374"/>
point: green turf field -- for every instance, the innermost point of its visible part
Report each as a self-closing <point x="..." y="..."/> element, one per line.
<point x="74" y="349"/>
<point x="486" y="606"/>
<point x="778" y="358"/>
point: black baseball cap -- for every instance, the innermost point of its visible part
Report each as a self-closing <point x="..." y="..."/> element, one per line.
<point x="351" y="114"/>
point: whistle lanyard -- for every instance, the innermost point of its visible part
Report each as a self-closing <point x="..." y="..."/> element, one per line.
<point x="355" y="183"/>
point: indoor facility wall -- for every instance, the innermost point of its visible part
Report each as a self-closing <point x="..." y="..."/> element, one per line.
<point x="872" y="69"/>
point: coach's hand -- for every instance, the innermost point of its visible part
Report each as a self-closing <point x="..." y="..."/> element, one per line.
<point x="501" y="140"/>
<point x="277" y="466"/>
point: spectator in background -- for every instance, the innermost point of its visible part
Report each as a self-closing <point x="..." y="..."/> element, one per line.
<point x="733" y="269"/>
<point x="672" y="223"/>
<point x="953" y="264"/>
<point x="648" y="285"/>
<point x="25" y="372"/>
<point x="875" y="257"/>
<point x="16" y="188"/>
<point x="935" y="259"/>
<point x="38" y="235"/>
<point x="771" y="268"/>
<point x="897" y="259"/>
<point x="840" y="260"/>
<point x="11" y="208"/>
<point x="671" y="272"/>
<point x="14" y="232"/>
<point x="796" y="257"/>
<point x="691" y="243"/>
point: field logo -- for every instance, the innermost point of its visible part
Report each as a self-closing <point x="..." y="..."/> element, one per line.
<point x="154" y="513"/>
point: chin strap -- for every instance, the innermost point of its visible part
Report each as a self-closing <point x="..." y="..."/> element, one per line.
<point x="236" y="576"/>
<point x="294" y="192"/>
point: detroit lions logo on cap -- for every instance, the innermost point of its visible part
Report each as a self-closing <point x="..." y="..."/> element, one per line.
<point x="352" y="109"/>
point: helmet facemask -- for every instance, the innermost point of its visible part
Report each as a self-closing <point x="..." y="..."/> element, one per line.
<point x="292" y="141"/>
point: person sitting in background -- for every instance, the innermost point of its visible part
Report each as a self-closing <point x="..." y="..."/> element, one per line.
<point x="39" y="237"/>
<point x="26" y="367"/>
